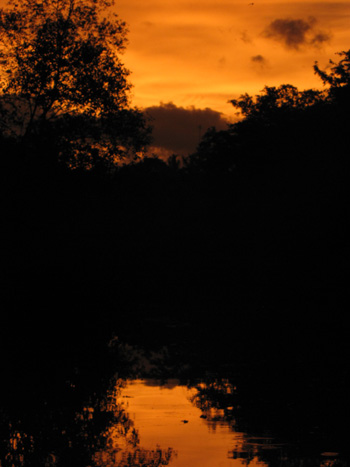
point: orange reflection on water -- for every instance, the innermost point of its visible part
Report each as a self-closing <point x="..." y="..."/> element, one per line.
<point x="165" y="417"/>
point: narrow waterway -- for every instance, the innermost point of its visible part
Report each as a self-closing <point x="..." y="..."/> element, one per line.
<point x="167" y="416"/>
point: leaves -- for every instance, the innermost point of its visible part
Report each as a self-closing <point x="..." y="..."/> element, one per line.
<point x="62" y="58"/>
<point x="339" y="74"/>
<point x="285" y="97"/>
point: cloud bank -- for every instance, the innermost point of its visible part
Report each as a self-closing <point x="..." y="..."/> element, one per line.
<point x="178" y="130"/>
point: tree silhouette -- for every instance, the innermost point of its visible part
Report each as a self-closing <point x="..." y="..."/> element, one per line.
<point x="268" y="120"/>
<point x="337" y="82"/>
<point x="70" y="429"/>
<point x="285" y="97"/>
<point x="339" y="76"/>
<point x="313" y="121"/>
<point x="61" y="74"/>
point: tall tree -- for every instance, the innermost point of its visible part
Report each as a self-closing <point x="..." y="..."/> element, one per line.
<point x="61" y="74"/>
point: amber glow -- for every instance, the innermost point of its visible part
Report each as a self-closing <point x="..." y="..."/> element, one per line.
<point x="204" y="53"/>
<point x="168" y="421"/>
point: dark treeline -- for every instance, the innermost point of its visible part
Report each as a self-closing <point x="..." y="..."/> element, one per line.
<point x="239" y="252"/>
<point x="249" y="235"/>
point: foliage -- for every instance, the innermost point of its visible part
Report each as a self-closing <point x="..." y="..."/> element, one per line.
<point x="339" y="74"/>
<point x="214" y="153"/>
<point x="286" y="97"/>
<point x="61" y="74"/>
<point x="337" y="80"/>
<point x="281" y="125"/>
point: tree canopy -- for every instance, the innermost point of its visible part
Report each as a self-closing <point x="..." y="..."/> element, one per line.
<point x="61" y="74"/>
<point x="337" y="79"/>
<point x="285" y="97"/>
<point x="339" y="75"/>
<point x="282" y="124"/>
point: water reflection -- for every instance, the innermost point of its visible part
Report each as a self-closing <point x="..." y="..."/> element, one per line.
<point x="165" y="415"/>
<point x="198" y="421"/>
<point x="218" y="402"/>
<point x="122" y="441"/>
<point x="150" y="423"/>
<point x="100" y="433"/>
<point x="202" y="423"/>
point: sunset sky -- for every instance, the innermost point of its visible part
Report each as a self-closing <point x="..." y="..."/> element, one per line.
<point x="188" y="57"/>
<point x="199" y="54"/>
<point x="203" y="53"/>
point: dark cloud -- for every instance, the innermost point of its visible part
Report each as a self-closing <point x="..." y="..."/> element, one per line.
<point x="320" y="38"/>
<point x="178" y="130"/>
<point x="258" y="59"/>
<point x="245" y="37"/>
<point x="294" y="33"/>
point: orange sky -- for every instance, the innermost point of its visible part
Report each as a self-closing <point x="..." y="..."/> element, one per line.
<point x="188" y="57"/>
<point x="202" y="53"/>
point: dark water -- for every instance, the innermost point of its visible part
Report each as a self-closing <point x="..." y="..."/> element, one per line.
<point x="171" y="392"/>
